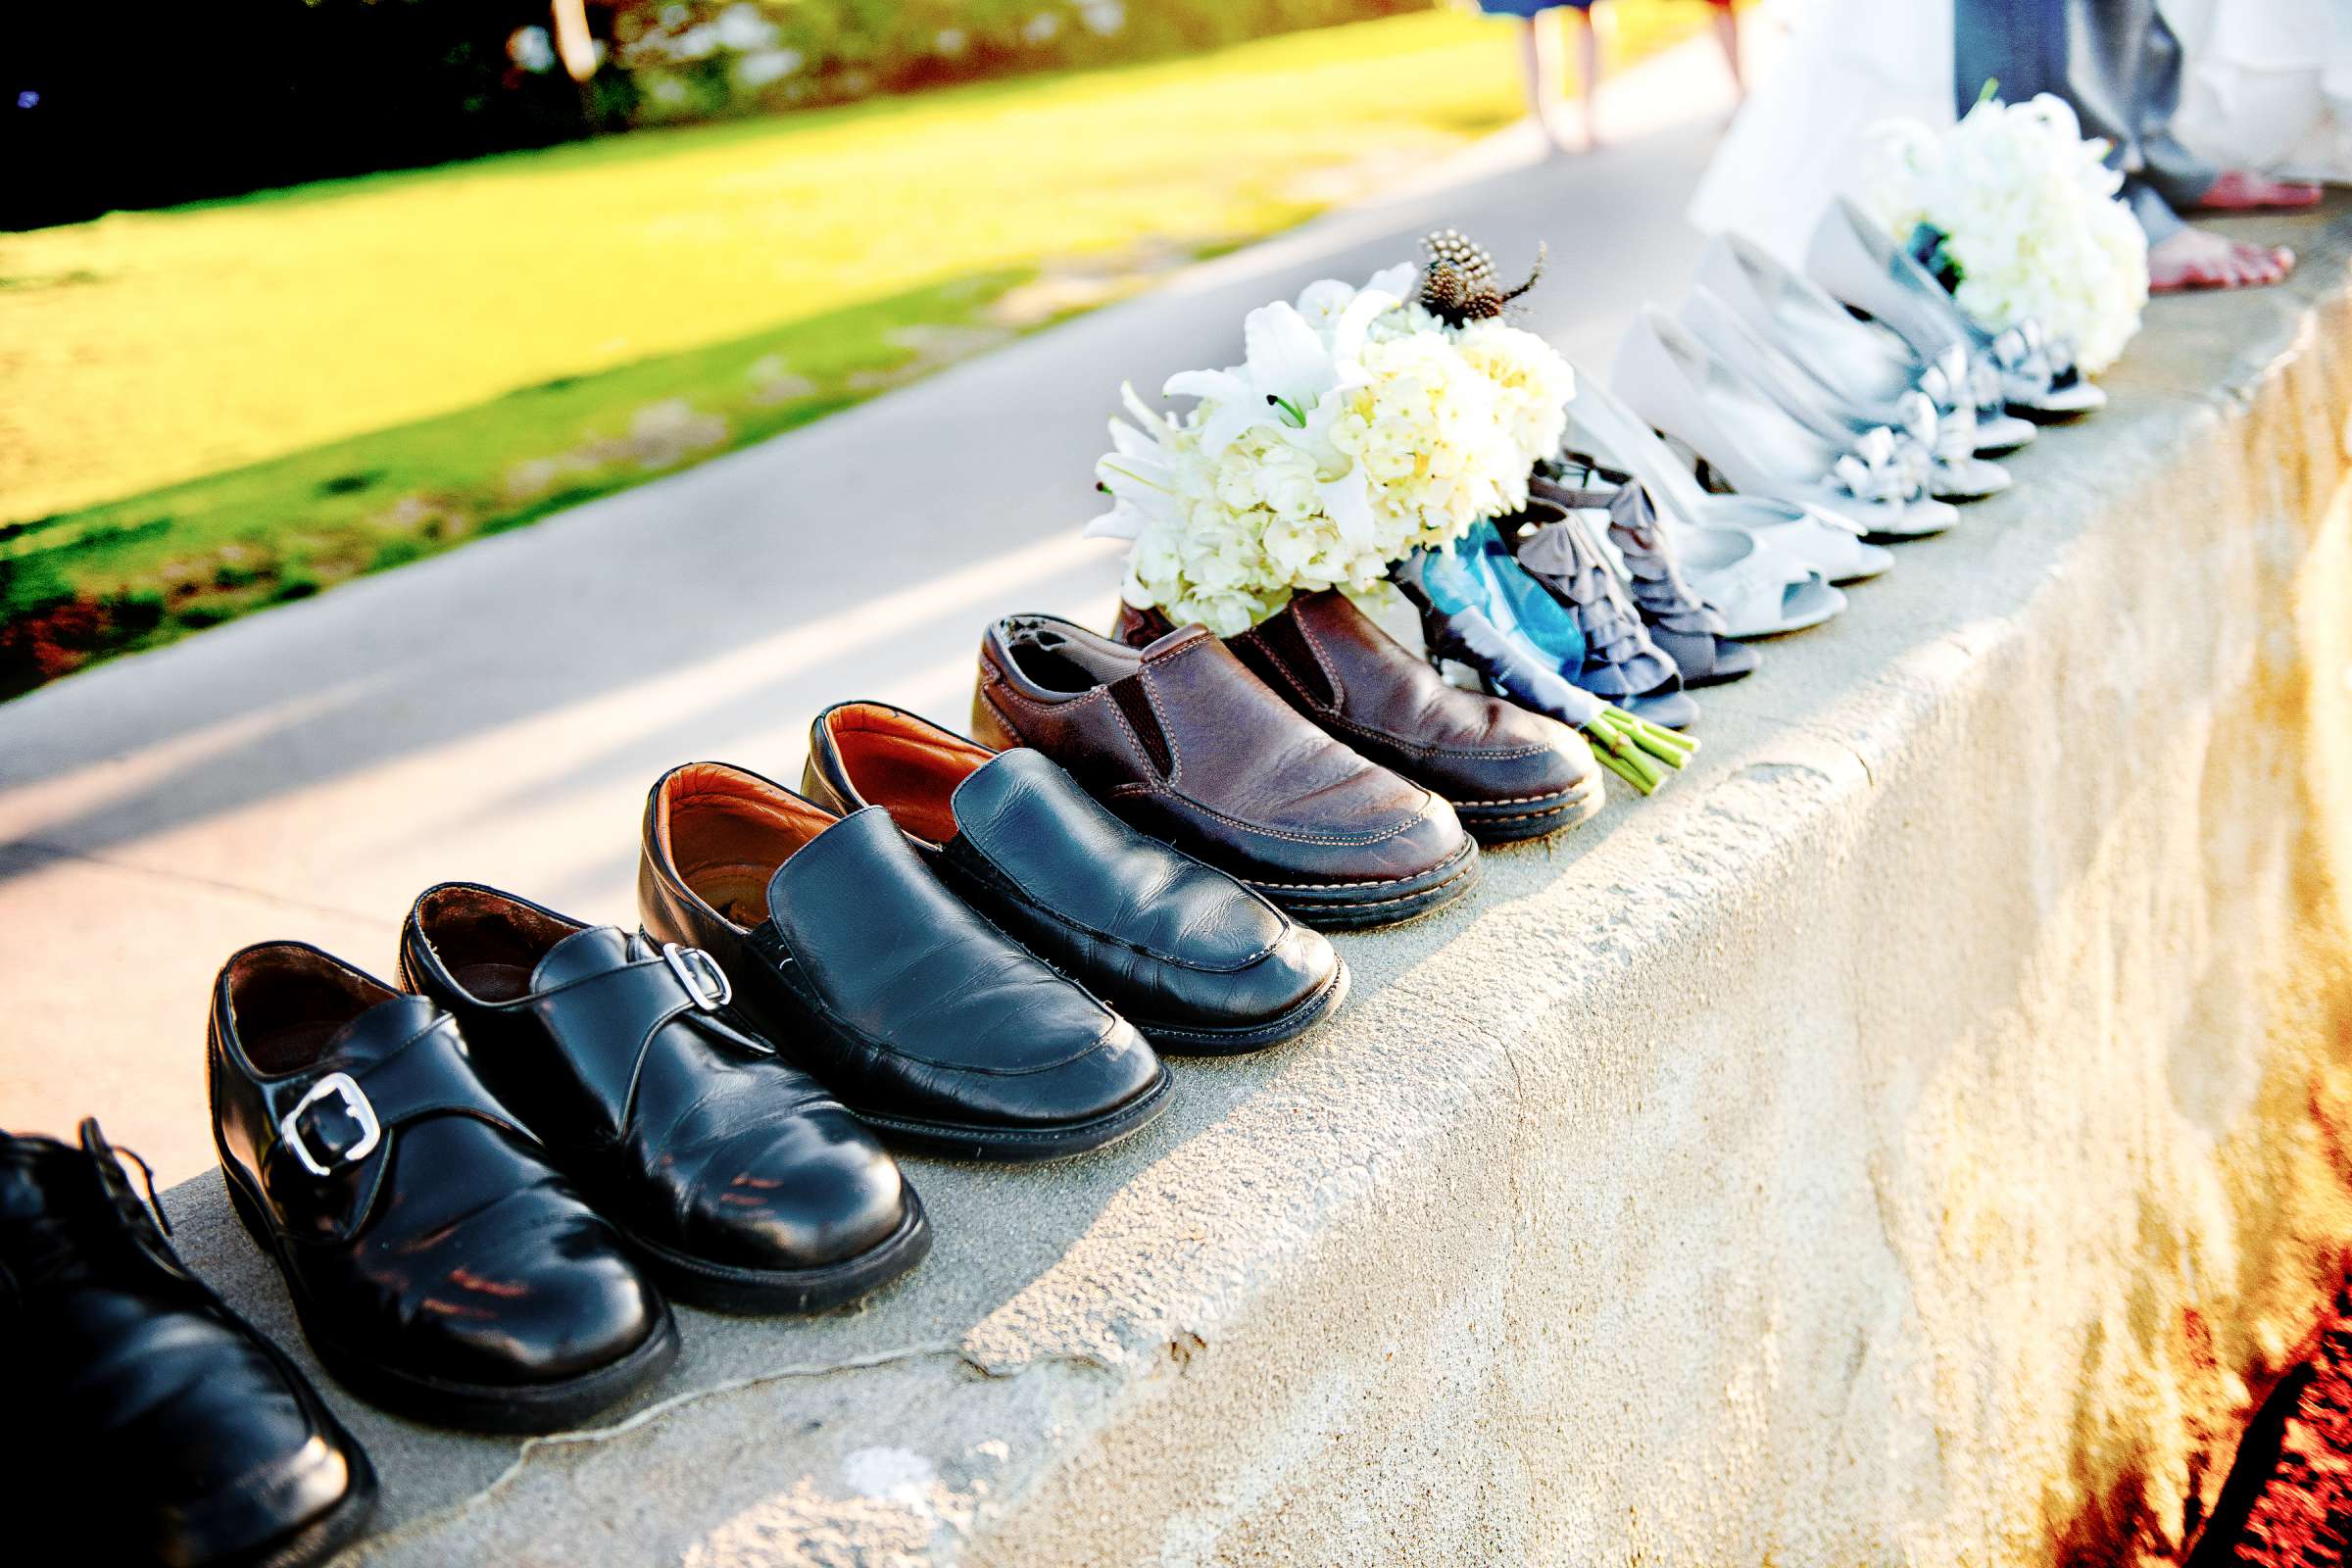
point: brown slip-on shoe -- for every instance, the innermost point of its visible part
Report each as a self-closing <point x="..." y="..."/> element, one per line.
<point x="1509" y="773"/>
<point x="1182" y="743"/>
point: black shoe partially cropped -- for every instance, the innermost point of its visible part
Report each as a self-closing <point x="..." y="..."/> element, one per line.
<point x="742" y="1180"/>
<point x="152" y="1424"/>
<point x="442" y="1267"/>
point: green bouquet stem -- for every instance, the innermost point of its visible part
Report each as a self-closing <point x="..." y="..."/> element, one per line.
<point x="1643" y="754"/>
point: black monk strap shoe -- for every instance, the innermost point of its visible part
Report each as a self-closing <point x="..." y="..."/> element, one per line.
<point x="926" y="1020"/>
<point x="749" y="1187"/>
<point x="212" y="1450"/>
<point x="1186" y="953"/>
<point x="440" y="1265"/>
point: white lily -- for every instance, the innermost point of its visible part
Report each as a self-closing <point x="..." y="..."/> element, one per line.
<point x="1139" y="471"/>
<point x="1288" y="377"/>
<point x="1398" y="283"/>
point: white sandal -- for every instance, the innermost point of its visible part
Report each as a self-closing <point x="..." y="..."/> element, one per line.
<point x="1947" y="471"/>
<point x="1803" y="541"/>
<point x="1734" y="426"/>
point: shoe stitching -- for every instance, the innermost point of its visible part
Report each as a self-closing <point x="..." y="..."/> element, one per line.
<point x="1096" y="695"/>
<point x="1306" y="635"/>
<point x="1521" y="817"/>
<point x="1204" y="807"/>
<point x="1337" y="715"/>
<point x="1406" y="745"/>
<point x="1175" y="746"/>
<point x="1566" y="796"/>
<point x="1380" y="882"/>
<point x="1141" y="787"/>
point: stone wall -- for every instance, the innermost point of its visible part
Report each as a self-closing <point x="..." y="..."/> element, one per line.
<point x="1914" y="1136"/>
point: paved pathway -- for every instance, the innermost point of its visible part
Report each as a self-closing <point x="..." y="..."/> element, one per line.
<point x="496" y="713"/>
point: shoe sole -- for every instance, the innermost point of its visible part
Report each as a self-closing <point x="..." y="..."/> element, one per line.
<point x="1023" y="1145"/>
<point x="534" y="1407"/>
<point x="1194" y="1040"/>
<point x="2033" y="414"/>
<point x="315" y="1542"/>
<point x="1366" y="914"/>
<point x="748" y="1291"/>
<point x="1516" y="821"/>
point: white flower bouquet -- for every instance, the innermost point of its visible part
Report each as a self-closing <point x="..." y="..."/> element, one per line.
<point x="2028" y="227"/>
<point x="1363" y="426"/>
<point x="1358" y="429"/>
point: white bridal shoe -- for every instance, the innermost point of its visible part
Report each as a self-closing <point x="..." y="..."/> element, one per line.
<point x="1859" y="263"/>
<point x="1766" y="565"/>
<point x="1864" y="364"/>
<point x="1667" y="377"/>
<point x="1912" y="419"/>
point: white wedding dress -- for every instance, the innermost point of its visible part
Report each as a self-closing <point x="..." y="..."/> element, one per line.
<point x="2268" y="86"/>
<point x="1803" y="135"/>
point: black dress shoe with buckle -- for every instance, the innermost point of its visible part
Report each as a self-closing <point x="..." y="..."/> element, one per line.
<point x="440" y="1265"/>
<point x="1186" y="953"/>
<point x="127" y="1374"/>
<point x="928" y="1022"/>
<point x="747" y="1185"/>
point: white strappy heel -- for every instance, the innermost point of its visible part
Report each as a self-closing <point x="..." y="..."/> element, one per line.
<point x="1947" y="469"/>
<point x="1860" y="264"/>
<point x="1669" y="378"/>
<point x="1796" y="542"/>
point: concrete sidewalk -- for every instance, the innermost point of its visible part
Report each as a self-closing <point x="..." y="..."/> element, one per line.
<point x="496" y="713"/>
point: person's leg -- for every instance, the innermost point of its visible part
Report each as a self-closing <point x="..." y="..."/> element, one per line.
<point x="1727" y="34"/>
<point x="1536" y="62"/>
<point x="2243" y="191"/>
<point x="2117" y="64"/>
<point x="2183" y="260"/>
<point x="2169" y="176"/>
<point x="1588" y="65"/>
<point x="2018" y="45"/>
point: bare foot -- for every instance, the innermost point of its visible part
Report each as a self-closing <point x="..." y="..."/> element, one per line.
<point x="1592" y="140"/>
<point x="2199" y="258"/>
<point x="2242" y="190"/>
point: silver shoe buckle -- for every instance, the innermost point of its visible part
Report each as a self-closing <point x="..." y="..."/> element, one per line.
<point x="355" y="1103"/>
<point x="699" y="972"/>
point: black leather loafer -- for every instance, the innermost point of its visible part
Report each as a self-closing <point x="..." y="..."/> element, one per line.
<point x="748" y="1185"/>
<point x="440" y="1266"/>
<point x="926" y="1020"/>
<point x="1190" y="956"/>
<point x="129" y="1375"/>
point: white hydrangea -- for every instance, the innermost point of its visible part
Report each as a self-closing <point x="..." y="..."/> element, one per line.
<point x="1425" y="430"/>
<point x="1532" y="385"/>
<point x="2031" y="216"/>
<point x="1358" y="430"/>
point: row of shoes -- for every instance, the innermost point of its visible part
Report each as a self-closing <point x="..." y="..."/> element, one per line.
<point x="485" y="1179"/>
<point x="1753" y="453"/>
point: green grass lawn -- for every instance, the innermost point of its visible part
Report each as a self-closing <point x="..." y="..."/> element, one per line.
<point x="227" y="405"/>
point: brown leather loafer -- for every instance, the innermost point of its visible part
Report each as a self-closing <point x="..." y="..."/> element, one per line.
<point x="1509" y="774"/>
<point x="1182" y="743"/>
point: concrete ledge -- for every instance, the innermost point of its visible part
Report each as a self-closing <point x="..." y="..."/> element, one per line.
<point x="1906" y="1139"/>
